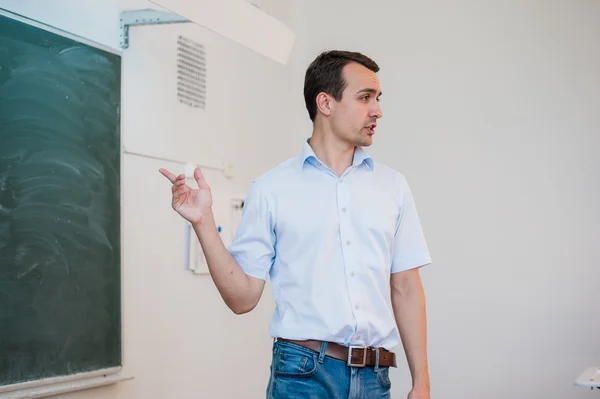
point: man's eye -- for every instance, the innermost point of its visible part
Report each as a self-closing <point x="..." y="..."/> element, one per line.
<point x="364" y="97"/>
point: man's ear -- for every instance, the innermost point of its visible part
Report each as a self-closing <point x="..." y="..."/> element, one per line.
<point x="324" y="103"/>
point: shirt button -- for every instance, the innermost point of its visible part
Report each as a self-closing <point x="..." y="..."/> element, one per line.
<point x="343" y="209"/>
<point x="351" y="274"/>
<point x="356" y="306"/>
<point x="348" y="242"/>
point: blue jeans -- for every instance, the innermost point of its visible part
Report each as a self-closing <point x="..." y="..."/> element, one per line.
<point x="301" y="373"/>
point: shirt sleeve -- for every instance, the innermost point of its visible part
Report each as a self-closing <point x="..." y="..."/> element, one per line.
<point x="410" y="247"/>
<point x="253" y="246"/>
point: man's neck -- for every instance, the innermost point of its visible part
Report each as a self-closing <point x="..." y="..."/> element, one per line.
<point x="336" y="154"/>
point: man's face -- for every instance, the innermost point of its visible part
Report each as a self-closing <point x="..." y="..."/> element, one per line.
<point x="355" y="116"/>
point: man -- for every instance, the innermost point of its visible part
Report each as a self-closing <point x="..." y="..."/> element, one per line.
<point x="339" y="236"/>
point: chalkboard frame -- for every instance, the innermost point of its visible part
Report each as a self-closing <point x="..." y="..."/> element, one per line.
<point x="99" y="377"/>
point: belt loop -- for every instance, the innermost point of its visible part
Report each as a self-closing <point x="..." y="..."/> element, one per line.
<point x="376" y="360"/>
<point x="322" y="352"/>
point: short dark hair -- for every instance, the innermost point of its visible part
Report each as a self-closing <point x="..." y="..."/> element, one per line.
<point x="325" y="75"/>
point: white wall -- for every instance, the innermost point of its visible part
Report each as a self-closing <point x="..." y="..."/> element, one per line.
<point x="491" y="110"/>
<point x="179" y="339"/>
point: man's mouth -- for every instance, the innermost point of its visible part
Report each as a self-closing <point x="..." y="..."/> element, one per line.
<point x="371" y="128"/>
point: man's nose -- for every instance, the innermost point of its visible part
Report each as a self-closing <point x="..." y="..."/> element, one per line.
<point x="376" y="111"/>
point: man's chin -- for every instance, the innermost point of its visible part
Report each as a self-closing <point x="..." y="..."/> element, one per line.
<point x="365" y="142"/>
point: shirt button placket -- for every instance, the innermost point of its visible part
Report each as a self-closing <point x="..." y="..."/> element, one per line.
<point x="345" y="235"/>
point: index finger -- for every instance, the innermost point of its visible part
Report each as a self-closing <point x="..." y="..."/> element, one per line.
<point x="172" y="178"/>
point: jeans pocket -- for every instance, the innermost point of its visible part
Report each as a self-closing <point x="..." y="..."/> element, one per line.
<point x="383" y="375"/>
<point x="295" y="363"/>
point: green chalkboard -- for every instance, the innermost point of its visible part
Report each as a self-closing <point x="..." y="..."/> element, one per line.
<point x="60" y="244"/>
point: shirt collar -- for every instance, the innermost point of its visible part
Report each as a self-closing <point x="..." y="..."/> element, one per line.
<point x="360" y="156"/>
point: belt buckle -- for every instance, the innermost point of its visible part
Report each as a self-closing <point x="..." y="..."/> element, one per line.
<point x="364" y="362"/>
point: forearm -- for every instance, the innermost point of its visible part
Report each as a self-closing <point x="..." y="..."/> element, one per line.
<point x="233" y="284"/>
<point x="408" y="302"/>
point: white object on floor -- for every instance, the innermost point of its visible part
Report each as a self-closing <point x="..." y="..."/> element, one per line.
<point x="589" y="378"/>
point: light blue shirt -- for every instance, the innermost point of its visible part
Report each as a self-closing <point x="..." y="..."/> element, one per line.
<point x="330" y="244"/>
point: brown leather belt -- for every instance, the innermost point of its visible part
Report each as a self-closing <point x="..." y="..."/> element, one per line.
<point x="354" y="356"/>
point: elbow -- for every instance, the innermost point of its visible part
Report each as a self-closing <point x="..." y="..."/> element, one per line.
<point x="245" y="300"/>
<point x="242" y="308"/>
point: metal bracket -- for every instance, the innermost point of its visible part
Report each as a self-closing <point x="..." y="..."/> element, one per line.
<point x="145" y="17"/>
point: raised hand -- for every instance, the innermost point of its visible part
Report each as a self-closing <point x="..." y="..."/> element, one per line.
<point x="192" y="204"/>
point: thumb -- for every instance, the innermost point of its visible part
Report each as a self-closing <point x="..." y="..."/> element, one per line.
<point x="200" y="179"/>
